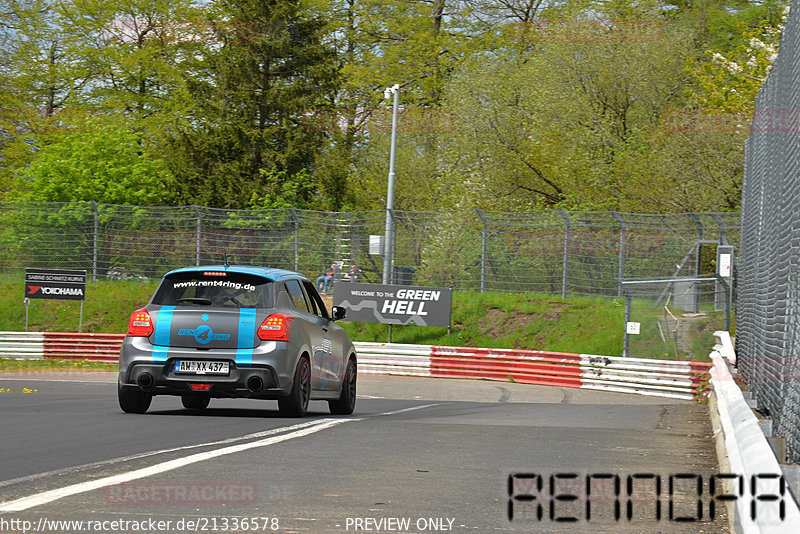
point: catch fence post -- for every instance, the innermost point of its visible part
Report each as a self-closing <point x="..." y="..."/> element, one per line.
<point x="566" y="253"/>
<point x="198" y="232"/>
<point x="484" y="237"/>
<point x="94" y="244"/>
<point x="621" y="267"/>
<point x="628" y="302"/>
<point x="296" y="220"/>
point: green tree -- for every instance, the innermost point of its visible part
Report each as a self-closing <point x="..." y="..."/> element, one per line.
<point x="252" y="91"/>
<point x="730" y="77"/>
<point x="553" y="117"/>
<point x="65" y="62"/>
<point x="106" y="165"/>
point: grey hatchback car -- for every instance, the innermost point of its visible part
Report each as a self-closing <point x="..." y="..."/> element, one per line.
<point x="228" y="331"/>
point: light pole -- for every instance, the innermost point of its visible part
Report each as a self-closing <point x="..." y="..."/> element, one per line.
<point x="388" y="238"/>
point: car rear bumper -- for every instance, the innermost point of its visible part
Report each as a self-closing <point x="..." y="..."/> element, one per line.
<point x="265" y="372"/>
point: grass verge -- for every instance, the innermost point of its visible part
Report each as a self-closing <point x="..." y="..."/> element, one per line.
<point x="12" y="365"/>
<point x="498" y="320"/>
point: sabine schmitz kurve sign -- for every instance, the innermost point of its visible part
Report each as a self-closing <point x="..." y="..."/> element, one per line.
<point x="63" y="284"/>
<point x="388" y="304"/>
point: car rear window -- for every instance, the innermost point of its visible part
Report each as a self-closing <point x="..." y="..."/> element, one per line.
<point x="218" y="289"/>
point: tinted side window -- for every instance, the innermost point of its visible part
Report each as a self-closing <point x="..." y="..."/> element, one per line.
<point x="282" y="299"/>
<point x="296" y="292"/>
<point x="315" y="300"/>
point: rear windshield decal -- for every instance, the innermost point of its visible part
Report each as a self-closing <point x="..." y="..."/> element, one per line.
<point x="215" y="283"/>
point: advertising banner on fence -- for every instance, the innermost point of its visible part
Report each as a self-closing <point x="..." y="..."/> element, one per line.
<point x="407" y="305"/>
<point x="55" y="284"/>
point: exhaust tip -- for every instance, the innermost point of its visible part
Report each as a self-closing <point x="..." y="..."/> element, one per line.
<point x="254" y="383"/>
<point x="145" y="380"/>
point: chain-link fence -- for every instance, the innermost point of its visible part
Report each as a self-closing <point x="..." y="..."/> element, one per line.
<point x="674" y="319"/>
<point x="556" y="252"/>
<point x="768" y="293"/>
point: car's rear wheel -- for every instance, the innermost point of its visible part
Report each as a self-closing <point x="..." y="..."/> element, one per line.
<point x="195" y="402"/>
<point x="133" y="400"/>
<point x="347" y="400"/>
<point x="296" y="404"/>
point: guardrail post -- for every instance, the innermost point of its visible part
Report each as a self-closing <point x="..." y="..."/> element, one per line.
<point x="296" y="220"/>
<point x="484" y="238"/>
<point x="566" y="253"/>
<point x="94" y="245"/>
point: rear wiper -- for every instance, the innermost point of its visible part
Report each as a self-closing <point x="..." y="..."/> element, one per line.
<point x="196" y="300"/>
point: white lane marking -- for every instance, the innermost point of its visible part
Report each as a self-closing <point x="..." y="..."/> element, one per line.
<point x="413" y="408"/>
<point x="300" y="430"/>
<point x="101" y="463"/>
<point x="45" y="497"/>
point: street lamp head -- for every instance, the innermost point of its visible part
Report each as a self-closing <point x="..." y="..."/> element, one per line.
<point x="389" y="91"/>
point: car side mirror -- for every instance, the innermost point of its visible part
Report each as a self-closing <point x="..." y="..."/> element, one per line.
<point x="339" y="313"/>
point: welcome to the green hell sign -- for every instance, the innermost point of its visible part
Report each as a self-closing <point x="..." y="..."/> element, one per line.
<point x="388" y="304"/>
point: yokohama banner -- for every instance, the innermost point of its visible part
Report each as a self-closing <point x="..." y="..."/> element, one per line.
<point x="55" y="284"/>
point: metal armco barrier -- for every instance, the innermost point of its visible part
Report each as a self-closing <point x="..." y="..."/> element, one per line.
<point x="664" y="378"/>
<point x="22" y="345"/>
<point x="61" y="345"/>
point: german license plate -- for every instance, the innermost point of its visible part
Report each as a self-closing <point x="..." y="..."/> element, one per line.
<point x="199" y="367"/>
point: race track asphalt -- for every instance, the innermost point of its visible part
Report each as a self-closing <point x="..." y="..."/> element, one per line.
<point x="419" y="455"/>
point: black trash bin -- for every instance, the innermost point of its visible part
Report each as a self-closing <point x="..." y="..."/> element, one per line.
<point x="403" y="275"/>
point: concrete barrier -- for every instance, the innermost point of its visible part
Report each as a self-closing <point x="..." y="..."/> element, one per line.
<point x="743" y="450"/>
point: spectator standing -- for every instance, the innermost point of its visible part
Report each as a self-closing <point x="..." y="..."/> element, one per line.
<point x="353" y="275"/>
<point x="324" y="281"/>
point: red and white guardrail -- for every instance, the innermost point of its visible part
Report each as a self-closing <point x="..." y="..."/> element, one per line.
<point x="666" y="378"/>
<point x="61" y="345"/>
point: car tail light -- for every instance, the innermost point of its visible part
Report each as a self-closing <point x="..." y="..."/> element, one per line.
<point x="140" y="324"/>
<point x="275" y="327"/>
<point x="200" y="387"/>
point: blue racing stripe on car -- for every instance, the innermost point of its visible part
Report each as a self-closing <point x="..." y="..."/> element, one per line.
<point x="161" y="334"/>
<point x="246" y="336"/>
